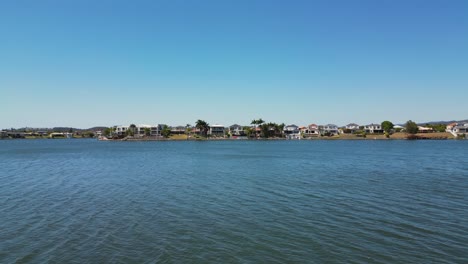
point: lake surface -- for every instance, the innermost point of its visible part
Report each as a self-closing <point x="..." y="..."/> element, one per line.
<point x="84" y="201"/>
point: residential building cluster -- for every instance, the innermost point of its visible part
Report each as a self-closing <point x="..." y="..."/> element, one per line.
<point x="287" y="131"/>
<point x="457" y="129"/>
<point x="156" y="130"/>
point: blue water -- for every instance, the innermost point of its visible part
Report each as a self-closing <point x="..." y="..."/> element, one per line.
<point x="84" y="201"/>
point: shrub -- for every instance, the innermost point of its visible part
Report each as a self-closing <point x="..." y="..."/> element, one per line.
<point x="411" y="127"/>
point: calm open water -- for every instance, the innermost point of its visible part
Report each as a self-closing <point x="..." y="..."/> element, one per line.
<point x="84" y="201"/>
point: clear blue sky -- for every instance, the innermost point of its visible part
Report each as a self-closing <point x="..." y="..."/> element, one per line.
<point x="86" y="63"/>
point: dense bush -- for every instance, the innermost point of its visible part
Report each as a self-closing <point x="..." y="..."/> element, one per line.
<point x="411" y="127"/>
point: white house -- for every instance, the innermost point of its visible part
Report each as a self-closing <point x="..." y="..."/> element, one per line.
<point x="352" y="127"/>
<point x="120" y="130"/>
<point x="237" y="130"/>
<point x="216" y="130"/>
<point x="138" y="131"/>
<point x="450" y="127"/>
<point x="460" y="129"/>
<point x="457" y="129"/>
<point x="329" y="129"/>
<point x="311" y="131"/>
<point x="292" y="132"/>
<point x="156" y="130"/>
<point x="373" y="128"/>
<point x="153" y="130"/>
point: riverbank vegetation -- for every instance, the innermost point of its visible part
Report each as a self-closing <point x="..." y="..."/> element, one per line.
<point x="258" y="129"/>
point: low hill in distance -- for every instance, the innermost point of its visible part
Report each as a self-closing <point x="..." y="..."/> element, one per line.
<point x="102" y="128"/>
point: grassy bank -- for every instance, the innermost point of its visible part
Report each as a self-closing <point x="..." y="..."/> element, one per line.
<point x="398" y="135"/>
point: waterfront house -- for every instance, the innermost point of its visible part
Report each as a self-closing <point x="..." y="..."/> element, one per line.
<point x="42" y="133"/>
<point x="422" y="129"/>
<point x="15" y="134"/>
<point x="329" y="129"/>
<point x="460" y="129"/>
<point x="120" y="130"/>
<point x="237" y="130"/>
<point x="3" y="134"/>
<point x="302" y="130"/>
<point x="153" y="130"/>
<point x="139" y="130"/>
<point x="292" y="132"/>
<point x="311" y="131"/>
<point x="373" y="129"/>
<point x="216" y="130"/>
<point x="60" y="135"/>
<point x="352" y="127"/>
<point x="178" y="130"/>
<point x="195" y="131"/>
<point x="156" y="130"/>
<point x="450" y="127"/>
<point x="258" y="131"/>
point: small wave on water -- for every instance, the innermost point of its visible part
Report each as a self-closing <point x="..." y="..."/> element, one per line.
<point x="82" y="201"/>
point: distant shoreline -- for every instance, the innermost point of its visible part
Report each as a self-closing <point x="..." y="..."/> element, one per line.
<point x="395" y="136"/>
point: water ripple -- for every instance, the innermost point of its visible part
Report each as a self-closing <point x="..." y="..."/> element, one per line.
<point x="82" y="201"/>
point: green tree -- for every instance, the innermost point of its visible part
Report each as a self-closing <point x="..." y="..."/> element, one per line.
<point x="257" y="122"/>
<point x="147" y="131"/>
<point x="248" y="131"/>
<point x="89" y="134"/>
<point x="132" y="129"/>
<point x="279" y="129"/>
<point x="166" y="131"/>
<point x="270" y="130"/>
<point x="437" y="127"/>
<point x="108" y="131"/>
<point x="387" y="126"/>
<point x="265" y="130"/>
<point x="202" y="126"/>
<point x="411" y="127"/>
<point x="188" y="129"/>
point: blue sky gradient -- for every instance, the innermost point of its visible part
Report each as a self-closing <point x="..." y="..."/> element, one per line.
<point x="87" y="63"/>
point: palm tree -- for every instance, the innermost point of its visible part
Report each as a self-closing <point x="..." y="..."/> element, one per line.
<point x="269" y="129"/>
<point x="166" y="131"/>
<point x="248" y="131"/>
<point x="188" y="128"/>
<point x="280" y="128"/>
<point x="202" y="126"/>
<point x="108" y="132"/>
<point x="256" y="122"/>
<point x="132" y="129"/>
